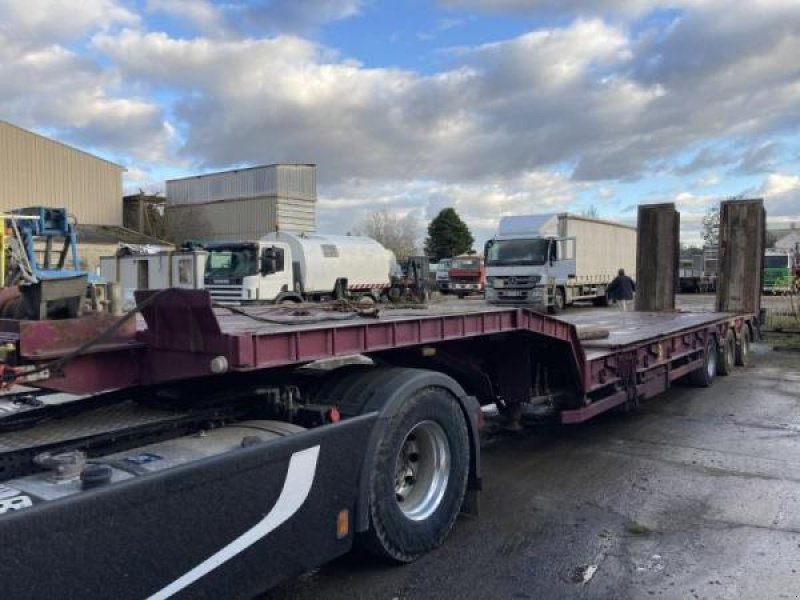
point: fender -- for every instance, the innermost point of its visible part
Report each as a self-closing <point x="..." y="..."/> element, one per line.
<point x="386" y="399"/>
<point x="300" y="476"/>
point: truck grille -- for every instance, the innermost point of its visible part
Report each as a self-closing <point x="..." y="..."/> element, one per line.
<point x="225" y="294"/>
<point x="520" y="282"/>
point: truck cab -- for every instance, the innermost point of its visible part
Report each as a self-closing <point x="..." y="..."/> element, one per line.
<point x="779" y="271"/>
<point x="528" y="269"/>
<point x="467" y="275"/>
<point x="244" y="272"/>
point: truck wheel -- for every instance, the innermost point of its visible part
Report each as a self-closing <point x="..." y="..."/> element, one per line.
<point x="743" y="347"/>
<point x="704" y="376"/>
<point x="727" y="356"/>
<point x="559" y="302"/>
<point x="601" y="300"/>
<point x="419" y="478"/>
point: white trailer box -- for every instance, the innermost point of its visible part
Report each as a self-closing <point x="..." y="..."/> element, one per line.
<point x="601" y="248"/>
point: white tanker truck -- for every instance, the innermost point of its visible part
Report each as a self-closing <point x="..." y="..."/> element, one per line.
<point x="286" y="267"/>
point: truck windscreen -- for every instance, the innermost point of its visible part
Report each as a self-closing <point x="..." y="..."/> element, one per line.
<point x="466" y="263"/>
<point x="506" y="253"/>
<point x="231" y="263"/>
<point x="776" y="262"/>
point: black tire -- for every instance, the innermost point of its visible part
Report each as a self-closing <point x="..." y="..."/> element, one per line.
<point x="743" y="347"/>
<point x="704" y="376"/>
<point x="559" y="302"/>
<point x="601" y="300"/>
<point x="727" y="355"/>
<point x="392" y="533"/>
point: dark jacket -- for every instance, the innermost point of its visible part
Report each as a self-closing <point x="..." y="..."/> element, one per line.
<point x="621" y="288"/>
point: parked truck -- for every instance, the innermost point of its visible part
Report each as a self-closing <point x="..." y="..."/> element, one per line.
<point x="467" y="275"/>
<point x="550" y="261"/>
<point x="443" y="275"/>
<point x="781" y="271"/>
<point x="197" y="454"/>
<point x="287" y="267"/>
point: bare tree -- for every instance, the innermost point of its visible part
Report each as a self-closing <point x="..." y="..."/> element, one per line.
<point x="591" y="212"/>
<point x="711" y="227"/>
<point x="398" y="234"/>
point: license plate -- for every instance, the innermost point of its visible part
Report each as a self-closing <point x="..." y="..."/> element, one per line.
<point x="513" y="294"/>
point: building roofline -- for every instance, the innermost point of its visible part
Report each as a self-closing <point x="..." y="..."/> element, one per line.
<point x="60" y="143"/>
<point x="240" y="169"/>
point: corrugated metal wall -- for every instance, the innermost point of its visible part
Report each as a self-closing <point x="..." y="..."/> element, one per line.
<point x="247" y="219"/>
<point x="243" y="204"/>
<point x="287" y="181"/>
<point x="37" y="171"/>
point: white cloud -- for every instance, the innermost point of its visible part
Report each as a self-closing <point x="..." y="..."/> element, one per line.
<point x="55" y="21"/>
<point x="271" y="17"/>
<point x="601" y="94"/>
<point x="46" y="84"/>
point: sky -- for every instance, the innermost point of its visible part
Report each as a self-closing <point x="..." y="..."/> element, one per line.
<point x="493" y="107"/>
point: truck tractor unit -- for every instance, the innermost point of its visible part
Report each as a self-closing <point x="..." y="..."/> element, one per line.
<point x="467" y="275"/>
<point x="285" y="267"/>
<point x="550" y="261"/>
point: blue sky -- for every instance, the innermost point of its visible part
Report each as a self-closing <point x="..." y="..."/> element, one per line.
<point x="494" y="107"/>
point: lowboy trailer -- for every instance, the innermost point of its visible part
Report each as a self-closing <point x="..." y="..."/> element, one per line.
<point x="226" y="457"/>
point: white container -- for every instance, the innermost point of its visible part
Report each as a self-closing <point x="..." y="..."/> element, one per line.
<point x="601" y="248"/>
<point x="321" y="260"/>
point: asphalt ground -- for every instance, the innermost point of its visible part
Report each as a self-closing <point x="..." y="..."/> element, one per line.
<point x="696" y="495"/>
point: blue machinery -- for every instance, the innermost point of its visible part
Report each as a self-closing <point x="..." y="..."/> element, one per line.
<point x="56" y="283"/>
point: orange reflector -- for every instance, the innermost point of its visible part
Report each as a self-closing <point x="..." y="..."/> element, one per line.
<point x="343" y="524"/>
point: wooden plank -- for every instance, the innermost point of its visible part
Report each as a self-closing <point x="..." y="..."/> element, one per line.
<point x="742" y="235"/>
<point x="657" y="252"/>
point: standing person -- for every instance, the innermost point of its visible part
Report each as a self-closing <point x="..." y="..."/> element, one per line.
<point x="621" y="290"/>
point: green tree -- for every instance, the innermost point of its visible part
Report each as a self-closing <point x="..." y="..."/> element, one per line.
<point x="448" y="236"/>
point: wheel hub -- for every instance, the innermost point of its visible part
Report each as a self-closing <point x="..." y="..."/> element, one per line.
<point x="422" y="470"/>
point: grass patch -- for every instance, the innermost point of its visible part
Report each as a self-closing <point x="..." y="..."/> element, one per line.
<point x="636" y="528"/>
<point x="782" y="323"/>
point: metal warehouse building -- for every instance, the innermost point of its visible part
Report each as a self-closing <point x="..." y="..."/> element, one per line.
<point x="243" y="204"/>
<point x="38" y="171"/>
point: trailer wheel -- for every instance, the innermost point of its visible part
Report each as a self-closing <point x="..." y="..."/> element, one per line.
<point x="419" y="479"/>
<point x="743" y="347"/>
<point x="704" y="376"/>
<point x="727" y="356"/>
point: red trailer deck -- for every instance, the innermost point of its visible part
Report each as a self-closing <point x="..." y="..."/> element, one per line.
<point x="182" y="336"/>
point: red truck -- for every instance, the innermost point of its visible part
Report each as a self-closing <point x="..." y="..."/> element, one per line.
<point x="206" y="452"/>
<point x="467" y="275"/>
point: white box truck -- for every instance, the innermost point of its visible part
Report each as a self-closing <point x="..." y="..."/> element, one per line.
<point x="285" y="267"/>
<point x="550" y="261"/>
